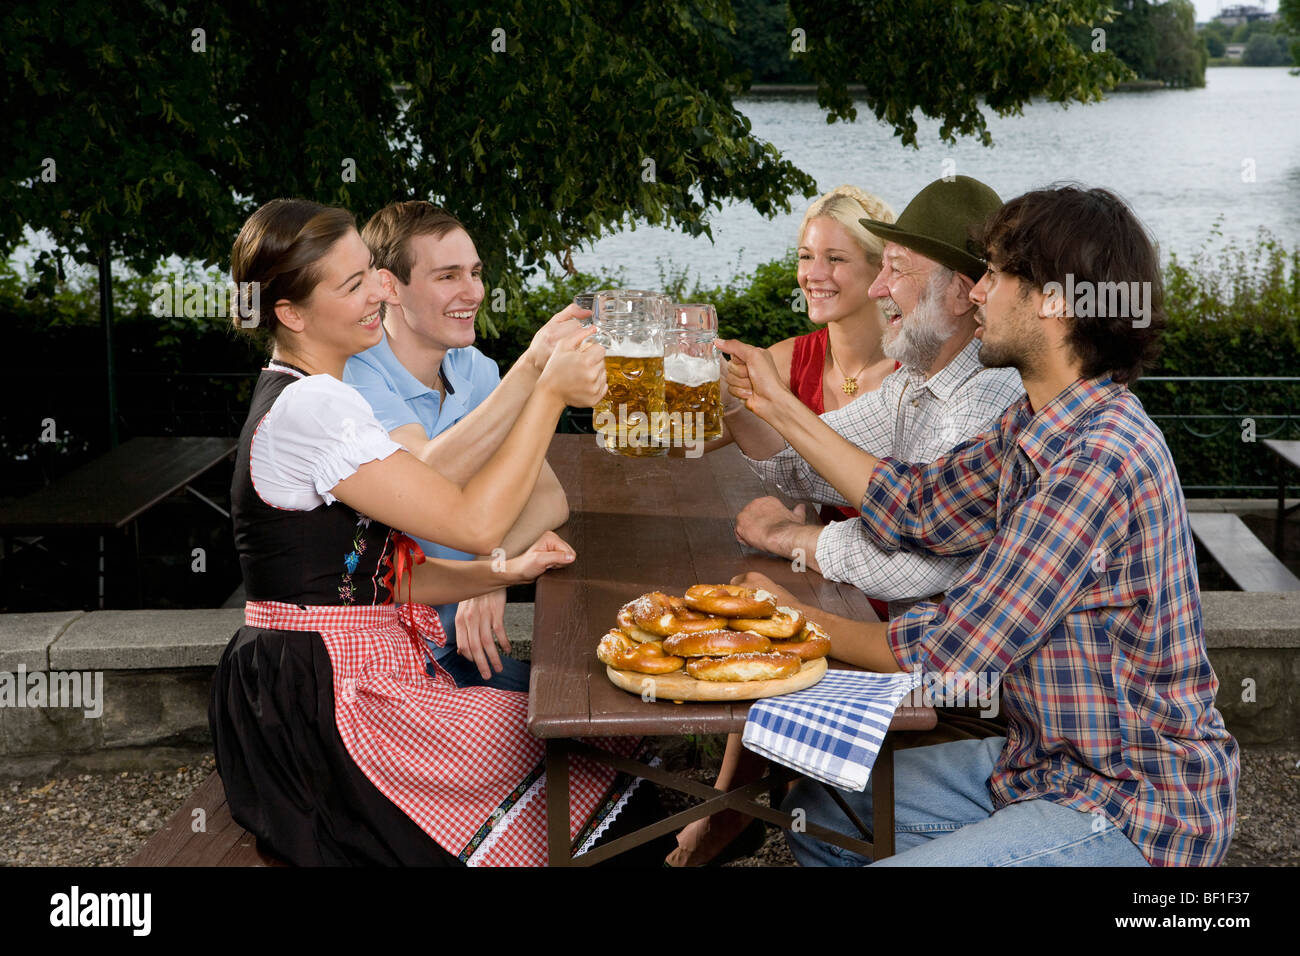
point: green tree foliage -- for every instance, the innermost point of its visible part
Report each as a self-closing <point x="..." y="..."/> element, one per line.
<point x="949" y="58"/>
<point x="115" y="134"/>
<point x="144" y="130"/>
<point x="1288" y="12"/>
<point x="1264" y="49"/>
<point x="541" y="125"/>
<point x="762" y="42"/>
<point x="1158" y="41"/>
<point x="1180" y="53"/>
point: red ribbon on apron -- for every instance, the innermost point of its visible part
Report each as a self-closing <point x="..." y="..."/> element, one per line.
<point x="406" y="555"/>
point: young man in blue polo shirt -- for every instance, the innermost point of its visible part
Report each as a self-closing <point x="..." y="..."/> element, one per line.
<point x="446" y="402"/>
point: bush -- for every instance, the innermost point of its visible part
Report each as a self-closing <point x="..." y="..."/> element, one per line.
<point x="1231" y="313"/>
<point x="1234" y="313"/>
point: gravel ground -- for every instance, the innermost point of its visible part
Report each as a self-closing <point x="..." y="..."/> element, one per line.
<point x="104" y="819"/>
<point x="1268" y="809"/>
<point x="99" y="819"/>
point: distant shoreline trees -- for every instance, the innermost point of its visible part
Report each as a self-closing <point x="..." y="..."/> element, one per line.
<point x="1267" y="42"/>
<point x="1156" y="39"/>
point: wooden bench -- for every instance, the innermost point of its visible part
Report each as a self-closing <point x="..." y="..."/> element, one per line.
<point x="106" y="497"/>
<point x="220" y="842"/>
<point x="1243" y="556"/>
<point x="1288" y="458"/>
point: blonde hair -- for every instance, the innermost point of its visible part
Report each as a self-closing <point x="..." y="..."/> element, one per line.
<point x="846" y="205"/>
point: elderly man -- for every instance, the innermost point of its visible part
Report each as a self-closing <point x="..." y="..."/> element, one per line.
<point x="1082" y="598"/>
<point x="940" y="396"/>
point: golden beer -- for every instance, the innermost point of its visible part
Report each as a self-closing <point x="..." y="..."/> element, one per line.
<point x="630" y="418"/>
<point x="692" y="398"/>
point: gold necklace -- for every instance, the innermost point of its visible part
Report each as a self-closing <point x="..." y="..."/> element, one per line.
<point x="850" y="385"/>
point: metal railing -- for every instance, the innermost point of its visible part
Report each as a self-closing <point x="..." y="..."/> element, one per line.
<point x="1213" y="420"/>
<point x="1204" y="418"/>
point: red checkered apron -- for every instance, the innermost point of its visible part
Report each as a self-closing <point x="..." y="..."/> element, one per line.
<point x="460" y="762"/>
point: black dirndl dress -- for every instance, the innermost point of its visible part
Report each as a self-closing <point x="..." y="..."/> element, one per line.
<point x="334" y="743"/>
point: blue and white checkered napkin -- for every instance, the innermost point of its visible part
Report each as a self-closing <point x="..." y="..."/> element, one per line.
<point x="833" y="730"/>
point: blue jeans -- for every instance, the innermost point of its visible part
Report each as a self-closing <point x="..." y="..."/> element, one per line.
<point x="944" y="816"/>
<point x="513" y="676"/>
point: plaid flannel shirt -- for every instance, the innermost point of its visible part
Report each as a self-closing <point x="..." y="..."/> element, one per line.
<point x="1083" y="597"/>
<point x="912" y="418"/>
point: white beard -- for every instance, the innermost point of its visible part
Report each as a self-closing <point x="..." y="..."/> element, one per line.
<point x="917" y="340"/>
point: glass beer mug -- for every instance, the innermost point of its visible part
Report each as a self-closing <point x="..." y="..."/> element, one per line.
<point x="630" y="419"/>
<point x="692" y="375"/>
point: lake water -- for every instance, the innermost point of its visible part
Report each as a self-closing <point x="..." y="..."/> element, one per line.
<point x="1179" y="157"/>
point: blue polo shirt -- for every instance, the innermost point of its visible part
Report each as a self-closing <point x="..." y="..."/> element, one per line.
<point x="399" y="398"/>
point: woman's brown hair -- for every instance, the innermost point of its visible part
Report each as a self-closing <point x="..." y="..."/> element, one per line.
<point x="276" y="256"/>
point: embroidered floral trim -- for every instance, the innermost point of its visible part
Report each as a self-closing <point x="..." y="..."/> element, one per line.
<point x="348" y="590"/>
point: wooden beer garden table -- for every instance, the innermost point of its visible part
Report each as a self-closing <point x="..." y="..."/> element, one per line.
<point x="650" y="524"/>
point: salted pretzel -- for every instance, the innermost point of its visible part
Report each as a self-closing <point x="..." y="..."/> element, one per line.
<point x="656" y="615"/>
<point x="809" y="644"/>
<point x="731" y="600"/>
<point x="621" y="652"/>
<point x="627" y="618"/>
<point x="744" y="667"/>
<point x="688" y="621"/>
<point x="785" y="623"/>
<point x="716" y="643"/>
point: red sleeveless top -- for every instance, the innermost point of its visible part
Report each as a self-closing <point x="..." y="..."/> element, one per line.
<point x="807" y="366"/>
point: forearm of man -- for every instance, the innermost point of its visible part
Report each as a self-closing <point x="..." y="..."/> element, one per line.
<point x="864" y="643"/>
<point x="465" y="447"/>
<point x="846" y="466"/>
<point x="797" y="542"/>
<point x="756" y="438"/>
<point x="547" y="509"/>
<point x="847" y="553"/>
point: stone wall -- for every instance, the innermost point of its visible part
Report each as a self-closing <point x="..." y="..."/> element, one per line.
<point x="156" y="669"/>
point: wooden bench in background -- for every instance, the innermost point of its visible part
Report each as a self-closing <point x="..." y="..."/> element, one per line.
<point x="1242" y="556"/>
<point x="107" y="496"/>
<point x="221" y="842"/>
<point x="1288" y="460"/>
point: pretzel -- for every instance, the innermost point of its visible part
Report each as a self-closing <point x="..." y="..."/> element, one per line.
<point x="619" y="651"/>
<point x="785" y="623"/>
<point x="744" y="667"/>
<point x="627" y="619"/>
<point x="716" y="643"/>
<point x="811" y="643"/>
<point x="731" y="600"/>
<point x="656" y="615"/>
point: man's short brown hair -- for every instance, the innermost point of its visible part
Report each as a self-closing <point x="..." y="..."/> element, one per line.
<point x="389" y="231"/>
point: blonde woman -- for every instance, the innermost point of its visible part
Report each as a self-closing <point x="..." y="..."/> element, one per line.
<point x="838" y="261"/>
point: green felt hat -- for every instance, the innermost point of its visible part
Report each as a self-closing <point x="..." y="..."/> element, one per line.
<point x="940" y="221"/>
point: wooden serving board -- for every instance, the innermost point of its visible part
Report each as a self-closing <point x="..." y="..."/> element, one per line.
<point x="680" y="685"/>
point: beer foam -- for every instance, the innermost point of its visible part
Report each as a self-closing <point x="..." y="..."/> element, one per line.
<point x="630" y="348"/>
<point x="691" y="370"/>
